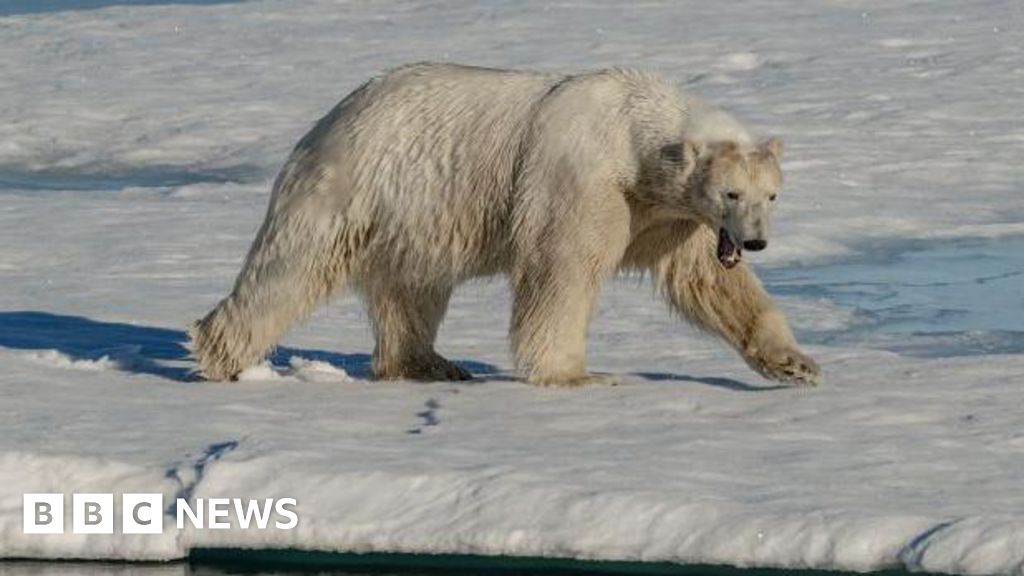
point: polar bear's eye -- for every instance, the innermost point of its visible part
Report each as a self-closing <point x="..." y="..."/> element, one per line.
<point x="732" y="195"/>
<point x="773" y="197"/>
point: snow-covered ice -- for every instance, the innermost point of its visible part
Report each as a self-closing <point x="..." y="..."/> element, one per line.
<point x="136" y="147"/>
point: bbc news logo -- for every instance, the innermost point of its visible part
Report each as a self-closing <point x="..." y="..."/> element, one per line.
<point x="144" y="513"/>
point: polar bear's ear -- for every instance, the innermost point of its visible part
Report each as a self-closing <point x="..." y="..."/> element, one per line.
<point x="694" y="149"/>
<point x="692" y="152"/>
<point x="684" y="154"/>
<point x="774" y="147"/>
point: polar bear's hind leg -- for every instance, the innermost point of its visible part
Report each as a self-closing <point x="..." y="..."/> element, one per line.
<point x="290" y="268"/>
<point x="405" y="323"/>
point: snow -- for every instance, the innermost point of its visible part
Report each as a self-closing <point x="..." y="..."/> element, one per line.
<point x="300" y="368"/>
<point x="136" y="147"/>
<point x="59" y="359"/>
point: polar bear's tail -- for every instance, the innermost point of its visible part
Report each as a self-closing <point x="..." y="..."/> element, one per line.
<point x="294" y="263"/>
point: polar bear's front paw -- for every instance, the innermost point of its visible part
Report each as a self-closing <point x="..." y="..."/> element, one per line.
<point x="787" y="365"/>
<point x="429" y="368"/>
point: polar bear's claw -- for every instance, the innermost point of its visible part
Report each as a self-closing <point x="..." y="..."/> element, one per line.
<point x="791" y="366"/>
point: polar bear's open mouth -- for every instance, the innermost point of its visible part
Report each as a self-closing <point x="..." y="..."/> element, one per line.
<point x="728" y="253"/>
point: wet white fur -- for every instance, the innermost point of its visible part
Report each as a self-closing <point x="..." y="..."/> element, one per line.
<point x="431" y="175"/>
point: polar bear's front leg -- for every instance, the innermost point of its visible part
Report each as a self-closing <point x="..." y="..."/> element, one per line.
<point x="733" y="304"/>
<point x="405" y="322"/>
<point x="571" y="226"/>
<point x="773" y="352"/>
<point x="550" y="315"/>
<point x="554" y="292"/>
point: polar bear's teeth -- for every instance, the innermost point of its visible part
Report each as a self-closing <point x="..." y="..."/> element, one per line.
<point x="728" y="253"/>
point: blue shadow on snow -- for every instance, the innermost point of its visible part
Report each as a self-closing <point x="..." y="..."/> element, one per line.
<point x="146" y="349"/>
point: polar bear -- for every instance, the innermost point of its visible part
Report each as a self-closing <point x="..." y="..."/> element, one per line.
<point x="433" y="174"/>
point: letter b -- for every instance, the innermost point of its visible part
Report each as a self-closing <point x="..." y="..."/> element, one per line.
<point x="92" y="514"/>
<point x="43" y="513"/>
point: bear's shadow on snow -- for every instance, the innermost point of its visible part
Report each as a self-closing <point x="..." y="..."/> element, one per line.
<point x="161" y="351"/>
<point x="727" y="383"/>
<point x="147" y="349"/>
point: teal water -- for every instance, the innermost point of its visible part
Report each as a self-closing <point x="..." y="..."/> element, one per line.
<point x="952" y="298"/>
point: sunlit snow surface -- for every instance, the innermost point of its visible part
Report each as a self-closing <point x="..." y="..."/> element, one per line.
<point x="136" y="147"/>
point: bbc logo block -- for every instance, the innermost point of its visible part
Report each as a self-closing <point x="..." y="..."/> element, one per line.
<point x="93" y="514"/>
<point x="43" y="514"/>
<point x="142" y="513"/>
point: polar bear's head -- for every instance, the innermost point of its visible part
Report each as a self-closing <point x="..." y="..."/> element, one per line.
<point x="741" y="188"/>
<point x="730" y="187"/>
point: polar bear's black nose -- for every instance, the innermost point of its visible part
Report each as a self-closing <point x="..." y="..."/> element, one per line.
<point x="755" y="245"/>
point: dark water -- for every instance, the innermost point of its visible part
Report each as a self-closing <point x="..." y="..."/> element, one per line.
<point x="154" y="177"/>
<point x="226" y="562"/>
<point x="18" y="7"/>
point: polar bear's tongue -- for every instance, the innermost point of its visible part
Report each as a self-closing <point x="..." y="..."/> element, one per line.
<point x="728" y="254"/>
